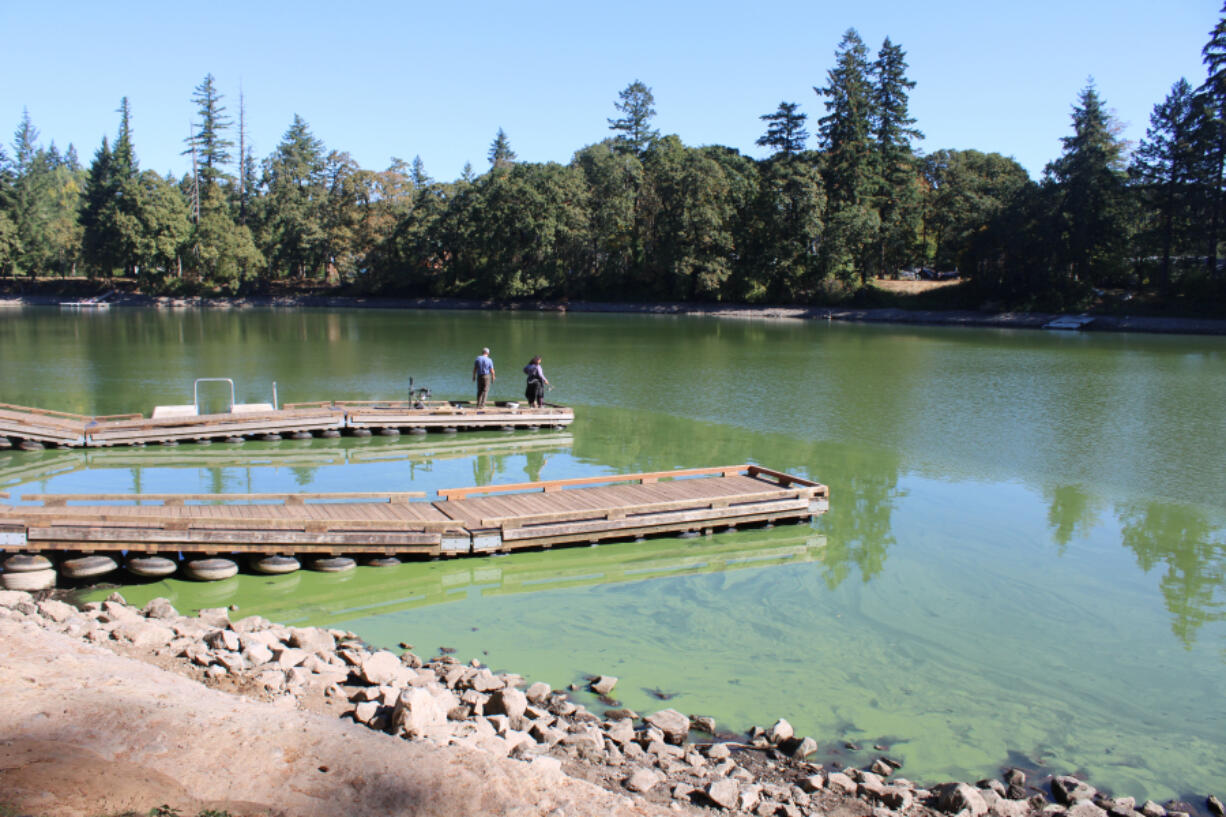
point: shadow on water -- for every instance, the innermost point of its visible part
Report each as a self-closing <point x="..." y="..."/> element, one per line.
<point x="313" y="599"/>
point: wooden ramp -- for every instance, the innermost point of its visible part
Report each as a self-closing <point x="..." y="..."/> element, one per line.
<point x="466" y="520"/>
<point x="23" y="426"/>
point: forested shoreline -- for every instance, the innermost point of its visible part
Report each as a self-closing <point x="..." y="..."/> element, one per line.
<point x="641" y="216"/>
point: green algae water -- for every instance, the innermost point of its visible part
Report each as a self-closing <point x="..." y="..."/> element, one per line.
<point x="1024" y="562"/>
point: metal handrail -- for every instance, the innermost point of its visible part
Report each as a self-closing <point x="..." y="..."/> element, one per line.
<point x="196" y="390"/>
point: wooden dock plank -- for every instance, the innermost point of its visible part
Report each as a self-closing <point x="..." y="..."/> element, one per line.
<point x="534" y="514"/>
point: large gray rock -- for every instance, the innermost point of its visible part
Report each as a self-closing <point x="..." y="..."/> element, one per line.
<point x="674" y="725"/>
<point x="57" y="611"/>
<point x="898" y="798"/>
<point x="781" y="731"/>
<point x="1084" y="808"/>
<point x="1215" y="806"/>
<point x="159" y="608"/>
<point x="289" y="657"/>
<point x="814" y="782"/>
<point x="223" y="640"/>
<point x="604" y="684"/>
<point x="1152" y="809"/>
<point x="232" y="661"/>
<point x="144" y="632"/>
<point x="485" y="681"/>
<point x="840" y="783"/>
<point x="257" y="653"/>
<point x="312" y="639"/>
<point x="1004" y="807"/>
<point x="724" y="793"/>
<point x="538" y="693"/>
<point x="380" y="668"/>
<point x="251" y="624"/>
<point x="1068" y="790"/>
<point x="11" y="598"/>
<point x="114" y="611"/>
<point x="218" y="617"/>
<point x="718" y="751"/>
<point x="510" y="702"/>
<point x="799" y="748"/>
<point x="620" y="731"/>
<point x="956" y="797"/>
<point x="418" y="711"/>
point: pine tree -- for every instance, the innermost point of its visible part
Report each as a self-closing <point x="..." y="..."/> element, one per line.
<point x="500" y="154"/>
<point x="209" y="139"/>
<point x="634" y="126"/>
<point x="1164" y="168"/>
<point x="845" y="133"/>
<point x="294" y="176"/>
<point x="786" y="132"/>
<point x="1213" y="92"/>
<point x="1089" y="182"/>
<point x="899" y="197"/>
<point x="421" y="179"/>
<point x="123" y="155"/>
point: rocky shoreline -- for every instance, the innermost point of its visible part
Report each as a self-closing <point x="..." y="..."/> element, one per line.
<point x="666" y="758"/>
<point x="965" y="318"/>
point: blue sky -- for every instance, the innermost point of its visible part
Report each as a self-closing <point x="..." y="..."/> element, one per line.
<point x="383" y="79"/>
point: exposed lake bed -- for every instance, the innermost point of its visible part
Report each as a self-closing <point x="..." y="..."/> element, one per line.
<point x="1018" y="562"/>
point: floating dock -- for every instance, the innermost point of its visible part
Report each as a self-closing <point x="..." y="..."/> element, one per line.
<point x="32" y="428"/>
<point x="334" y="528"/>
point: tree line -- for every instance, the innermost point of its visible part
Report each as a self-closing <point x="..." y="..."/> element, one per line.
<point x="642" y="216"/>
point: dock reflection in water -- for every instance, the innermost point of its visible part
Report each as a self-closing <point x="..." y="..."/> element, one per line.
<point x="304" y="459"/>
<point x="332" y="599"/>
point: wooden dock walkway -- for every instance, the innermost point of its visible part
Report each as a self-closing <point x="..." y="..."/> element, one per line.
<point x="26" y="427"/>
<point x="477" y="520"/>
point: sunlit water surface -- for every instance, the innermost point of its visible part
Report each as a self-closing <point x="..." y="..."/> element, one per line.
<point x="1024" y="561"/>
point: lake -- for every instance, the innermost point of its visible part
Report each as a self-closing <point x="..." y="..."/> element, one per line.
<point x="1024" y="562"/>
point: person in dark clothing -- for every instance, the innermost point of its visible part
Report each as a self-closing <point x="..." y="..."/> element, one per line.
<point x="535" y="391"/>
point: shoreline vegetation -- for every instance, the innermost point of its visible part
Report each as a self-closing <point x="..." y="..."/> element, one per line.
<point x="638" y="211"/>
<point x="320" y="721"/>
<point x="1097" y="322"/>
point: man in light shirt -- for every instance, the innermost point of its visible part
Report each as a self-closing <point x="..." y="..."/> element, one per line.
<point x="483" y="375"/>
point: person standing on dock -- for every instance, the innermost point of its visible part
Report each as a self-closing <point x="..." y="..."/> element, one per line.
<point x="535" y="392"/>
<point x="483" y="374"/>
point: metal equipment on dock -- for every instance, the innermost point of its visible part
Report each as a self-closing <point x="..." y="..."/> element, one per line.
<point x="476" y="520"/>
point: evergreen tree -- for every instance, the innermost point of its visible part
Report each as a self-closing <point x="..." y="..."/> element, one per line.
<point x="1089" y="180"/>
<point x="421" y="179"/>
<point x="123" y="155"/>
<point x="899" y="196"/>
<point x="786" y="132"/>
<point x="501" y="155"/>
<point x="209" y="137"/>
<point x="787" y="229"/>
<point x="1164" y="168"/>
<point x="109" y="222"/>
<point x="845" y="134"/>
<point x="635" y="132"/>
<point x="294" y="235"/>
<point x="1213" y="94"/>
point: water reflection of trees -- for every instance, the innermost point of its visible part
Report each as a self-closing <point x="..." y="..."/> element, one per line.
<point x="1193" y="551"/>
<point x="1071" y="511"/>
<point x="863" y="480"/>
